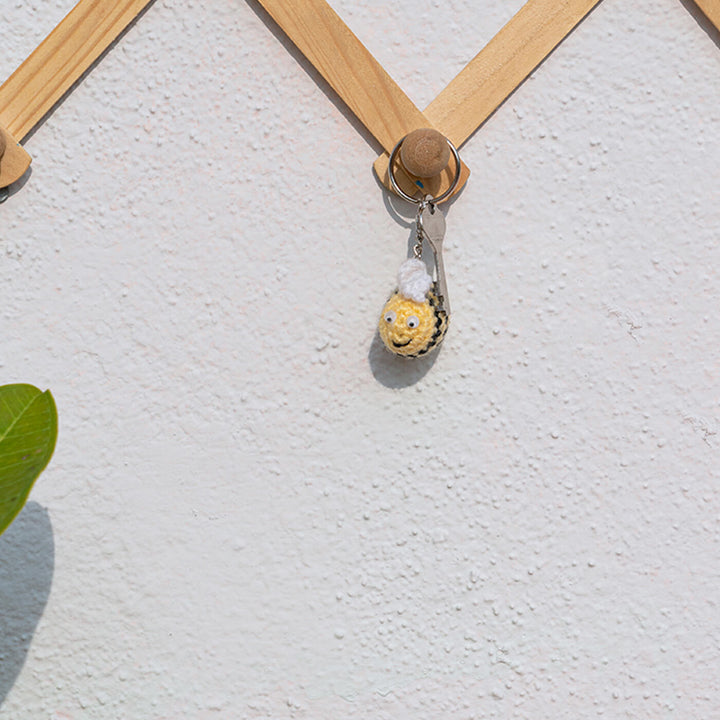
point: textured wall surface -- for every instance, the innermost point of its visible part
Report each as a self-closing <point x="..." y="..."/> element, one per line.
<point x="253" y="511"/>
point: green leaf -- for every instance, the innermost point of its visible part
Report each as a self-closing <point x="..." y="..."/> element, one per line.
<point x="28" y="430"/>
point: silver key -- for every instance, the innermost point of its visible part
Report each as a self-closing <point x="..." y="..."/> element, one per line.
<point x="431" y="223"/>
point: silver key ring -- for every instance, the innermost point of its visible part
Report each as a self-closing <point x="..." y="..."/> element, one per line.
<point x="417" y="201"/>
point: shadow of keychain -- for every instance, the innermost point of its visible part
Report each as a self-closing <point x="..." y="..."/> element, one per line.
<point x="415" y="318"/>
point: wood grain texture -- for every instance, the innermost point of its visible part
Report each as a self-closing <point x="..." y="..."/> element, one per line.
<point x="352" y="72"/>
<point x="355" y="75"/>
<point x="14" y="161"/>
<point x="65" y="54"/>
<point x="497" y="70"/>
<point x="711" y="8"/>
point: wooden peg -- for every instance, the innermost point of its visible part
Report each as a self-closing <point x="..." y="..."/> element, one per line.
<point x="497" y="70"/>
<point x="425" y="152"/>
<point x="414" y="184"/>
<point x="14" y="160"/>
<point x="360" y="81"/>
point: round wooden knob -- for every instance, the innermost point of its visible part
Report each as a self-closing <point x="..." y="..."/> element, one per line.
<point x="3" y="143"/>
<point x="425" y="152"/>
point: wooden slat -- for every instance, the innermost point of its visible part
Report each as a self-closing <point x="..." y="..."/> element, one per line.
<point x="497" y="70"/>
<point x="349" y="68"/>
<point x="353" y="73"/>
<point x="711" y="8"/>
<point x="65" y="54"/>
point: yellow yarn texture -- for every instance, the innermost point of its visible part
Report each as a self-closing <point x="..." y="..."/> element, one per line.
<point x="412" y="329"/>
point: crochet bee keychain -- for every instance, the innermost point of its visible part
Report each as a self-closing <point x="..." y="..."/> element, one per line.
<point x="415" y="318"/>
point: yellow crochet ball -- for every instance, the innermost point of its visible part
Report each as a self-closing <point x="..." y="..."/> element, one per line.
<point x="410" y="328"/>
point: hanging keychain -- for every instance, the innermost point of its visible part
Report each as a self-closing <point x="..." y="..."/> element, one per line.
<point x="415" y="318"/>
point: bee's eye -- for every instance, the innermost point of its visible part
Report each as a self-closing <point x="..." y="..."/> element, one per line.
<point x="390" y="316"/>
<point x="412" y="321"/>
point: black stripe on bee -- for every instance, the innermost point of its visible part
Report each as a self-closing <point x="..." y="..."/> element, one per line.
<point x="441" y="324"/>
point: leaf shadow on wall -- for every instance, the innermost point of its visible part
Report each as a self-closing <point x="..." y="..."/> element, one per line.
<point x="27" y="563"/>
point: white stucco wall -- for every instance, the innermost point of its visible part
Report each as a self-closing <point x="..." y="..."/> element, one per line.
<point x="253" y="512"/>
